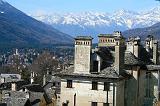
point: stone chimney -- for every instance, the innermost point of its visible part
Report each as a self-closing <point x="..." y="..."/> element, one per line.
<point x="13" y="86"/>
<point x="133" y="45"/>
<point x="82" y="58"/>
<point x="32" y="77"/>
<point x="149" y="43"/>
<point x="44" y="80"/>
<point x="117" y="33"/>
<point x="119" y="54"/>
<point x="155" y="52"/>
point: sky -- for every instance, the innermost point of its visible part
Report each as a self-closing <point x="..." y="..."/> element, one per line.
<point x="62" y="6"/>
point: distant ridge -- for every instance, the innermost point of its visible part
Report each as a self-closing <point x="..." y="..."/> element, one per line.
<point x="143" y="32"/>
<point x="19" y="30"/>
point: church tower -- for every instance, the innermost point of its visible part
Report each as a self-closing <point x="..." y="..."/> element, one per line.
<point x="82" y="58"/>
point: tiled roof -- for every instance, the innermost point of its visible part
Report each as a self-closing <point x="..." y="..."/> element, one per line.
<point x="7" y="86"/>
<point x="14" y="98"/>
<point x="106" y="35"/>
<point x="48" y="95"/>
<point x="84" y="37"/>
<point x="34" y="87"/>
<point x="130" y="59"/>
<point x="153" y="67"/>
<point x="107" y="73"/>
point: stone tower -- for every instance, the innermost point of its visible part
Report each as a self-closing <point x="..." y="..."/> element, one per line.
<point x="119" y="54"/>
<point x="82" y="58"/>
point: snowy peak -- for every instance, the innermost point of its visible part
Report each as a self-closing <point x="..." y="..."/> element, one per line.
<point x="129" y="19"/>
<point x="90" y="23"/>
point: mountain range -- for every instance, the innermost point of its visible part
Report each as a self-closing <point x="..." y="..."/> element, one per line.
<point x="144" y="32"/>
<point x="93" y="23"/>
<point x="20" y="30"/>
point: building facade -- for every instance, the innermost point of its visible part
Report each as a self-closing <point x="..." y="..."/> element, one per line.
<point x="116" y="73"/>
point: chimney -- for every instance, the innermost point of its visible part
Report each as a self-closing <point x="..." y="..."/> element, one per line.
<point x="13" y="86"/>
<point x="155" y="52"/>
<point x="119" y="54"/>
<point x="133" y="45"/>
<point x="44" y="80"/>
<point x="136" y="48"/>
<point x="82" y="58"/>
<point x="32" y="77"/>
<point x="149" y="43"/>
<point x="117" y="33"/>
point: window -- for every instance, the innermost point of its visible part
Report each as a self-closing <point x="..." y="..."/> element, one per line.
<point x="105" y="104"/>
<point x="106" y="86"/>
<point x="94" y="85"/>
<point x="94" y="104"/>
<point x="69" y="83"/>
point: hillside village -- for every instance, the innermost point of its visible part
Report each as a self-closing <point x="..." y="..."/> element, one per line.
<point x="119" y="71"/>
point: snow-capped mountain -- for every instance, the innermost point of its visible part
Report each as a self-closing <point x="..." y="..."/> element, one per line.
<point x="93" y="23"/>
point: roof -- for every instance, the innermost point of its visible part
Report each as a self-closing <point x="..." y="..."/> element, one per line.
<point x="11" y="77"/>
<point x="106" y="35"/>
<point x="34" y="87"/>
<point x="7" y="86"/>
<point x="84" y="37"/>
<point x="48" y="95"/>
<point x="15" y="98"/>
<point x="108" y="73"/>
<point x="131" y="59"/>
<point x="153" y="67"/>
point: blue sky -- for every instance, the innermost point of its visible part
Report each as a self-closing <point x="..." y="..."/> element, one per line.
<point x="29" y="6"/>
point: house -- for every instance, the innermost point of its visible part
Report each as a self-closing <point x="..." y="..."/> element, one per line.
<point x="116" y="73"/>
<point x="35" y="92"/>
<point x="11" y="96"/>
<point x="9" y="77"/>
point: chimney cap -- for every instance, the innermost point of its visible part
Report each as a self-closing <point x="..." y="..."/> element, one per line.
<point x="117" y="33"/>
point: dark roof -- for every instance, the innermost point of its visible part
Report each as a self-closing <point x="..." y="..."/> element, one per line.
<point x="3" y="104"/>
<point x="48" y="95"/>
<point x="84" y="37"/>
<point x="19" y="84"/>
<point x="153" y="67"/>
<point x="107" y="73"/>
<point x="34" y="87"/>
<point x="131" y="59"/>
<point x="106" y="35"/>
<point x="110" y="72"/>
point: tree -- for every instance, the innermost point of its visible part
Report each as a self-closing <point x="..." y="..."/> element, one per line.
<point x="44" y="64"/>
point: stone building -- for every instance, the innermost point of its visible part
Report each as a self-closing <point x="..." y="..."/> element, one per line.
<point x="116" y="73"/>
